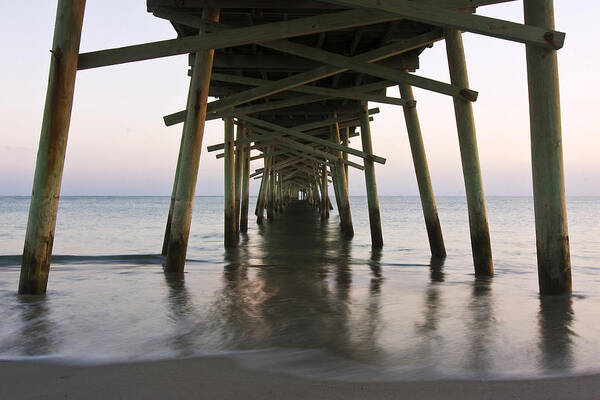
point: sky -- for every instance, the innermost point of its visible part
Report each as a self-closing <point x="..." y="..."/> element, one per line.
<point x="118" y="144"/>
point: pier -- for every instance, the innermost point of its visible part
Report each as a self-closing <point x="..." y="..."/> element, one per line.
<point x="292" y="82"/>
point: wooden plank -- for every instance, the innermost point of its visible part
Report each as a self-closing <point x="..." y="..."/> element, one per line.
<point x="234" y="37"/>
<point x="434" y="15"/>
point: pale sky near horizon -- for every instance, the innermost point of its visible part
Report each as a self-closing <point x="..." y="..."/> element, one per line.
<point x="118" y="144"/>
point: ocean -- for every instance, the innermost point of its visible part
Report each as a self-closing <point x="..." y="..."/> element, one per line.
<point x="296" y="297"/>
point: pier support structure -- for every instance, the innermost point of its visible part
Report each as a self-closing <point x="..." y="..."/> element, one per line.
<point x="552" y="236"/>
<point x="371" y="183"/>
<point x="341" y="183"/>
<point x="432" y="221"/>
<point x="324" y="194"/>
<point x="245" y="190"/>
<point x="193" y="132"/>
<point x="239" y="165"/>
<point x="229" y="195"/>
<point x="467" y="139"/>
<point x="43" y="208"/>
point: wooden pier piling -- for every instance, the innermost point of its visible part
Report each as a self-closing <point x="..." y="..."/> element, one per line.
<point x="41" y="223"/>
<point x="341" y="182"/>
<point x="239" y="164"/>
<point x="229" y="198"/>
<point x="371" y="183"/>
<point x="417" y="148"/>
<point x="469" y="155"/>
<point x="245" y="191"/>
<point x="554" y="263"/>
<point x="193" y="131"/>
<point x="324" y="194"/>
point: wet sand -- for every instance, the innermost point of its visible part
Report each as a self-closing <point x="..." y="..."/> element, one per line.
<point x="220" y="378"/>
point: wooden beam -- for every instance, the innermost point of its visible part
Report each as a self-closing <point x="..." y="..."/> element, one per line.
<point x="434" y="15"/>
<point x="234" y="37"/>
<point x="371" y="69"/>
<point x="290" y="143"/>
<point x="309" y="138"/>
<point x="356" y="93"/>
<point x="316" y="74"/>
<point x="304" y="127"/>
<point x="297" y="4"/>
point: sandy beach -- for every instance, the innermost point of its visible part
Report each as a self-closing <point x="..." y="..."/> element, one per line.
<point x="220" y="378"/>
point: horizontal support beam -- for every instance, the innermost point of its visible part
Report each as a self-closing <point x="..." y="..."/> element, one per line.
<point x="435" y="15"/>
<point x="298" y="4"/>
<point x="371" y="69"/>
<point x="317" y="94"/>
<point x="316" y="74"/>
<point x="303" y="127"/>
<point x="234" y="37"/>
<point x="304" y="148"/>
<point x="311" y="139"/>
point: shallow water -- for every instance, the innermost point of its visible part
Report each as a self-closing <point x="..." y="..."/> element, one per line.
<point x="296" y="297"/>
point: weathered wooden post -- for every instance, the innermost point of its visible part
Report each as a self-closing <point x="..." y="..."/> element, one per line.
<point x="41" y="223"/>
<point x="245" y="184"/>
<point x="271" y="192"/>
<point x="239" y="162"/>
<point x="193" y="132"/>
<point x="279" y="191"/>
<point x="432" y="221"/>
<point x="467" y="139"/>
<point x="324" y="194"/>
<point x="230" y="229"/>
<point x="554" y="263"/>
<point x="260" y="200"/>
<point x="342" y="184"/>
<point x="346" y="142"/>
<point x="371" y="183"/>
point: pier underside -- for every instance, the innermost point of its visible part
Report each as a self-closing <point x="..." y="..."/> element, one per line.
<point x="292" y="82"/>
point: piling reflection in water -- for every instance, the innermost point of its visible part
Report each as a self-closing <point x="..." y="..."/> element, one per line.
<point x="555" y="320"/>
<point x="481" y="326"/>
<point x="37" y="330"/>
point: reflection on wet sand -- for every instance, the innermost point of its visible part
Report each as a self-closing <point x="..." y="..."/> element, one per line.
<point x="481" y="326"/>
<point x="294" y="288"/>
<point x="301" y="294"/>
<point x="181" y="311"/>
<point x="38" y="333"/>
<point x="555" y="322"/>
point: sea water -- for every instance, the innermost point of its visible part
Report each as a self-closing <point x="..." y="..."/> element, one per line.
<point x="296" y="297"/>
